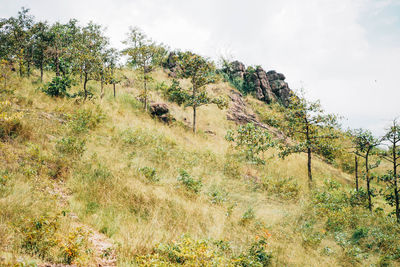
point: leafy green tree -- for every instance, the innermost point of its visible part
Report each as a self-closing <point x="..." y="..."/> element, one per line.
<point x="63" y="49"/>
<point x="365" y="143"/>
<point x="252" y="140"/>
<point x="16" y="38"/>
<point x="201" y="72"/>
<point x="90" y="48"/>
<point x="392" y="138"/>
<point x="144" y="54"/>
<point x="110" y="60"/>
<point x="41" y="41"/>
<point x="310" y="127"/>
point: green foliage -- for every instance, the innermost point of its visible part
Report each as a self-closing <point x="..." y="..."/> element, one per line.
<point x="191" y="184"/>
<point x="84" y="120"/>
<point x="39" y="235"/>
<point x="144" y="54"/>
<point x="217" y="196"/>
<point x="175" y="93"/>
<point x="149" y="173"/>
<point x="247" y="216"/>
<point x="251" y="140"/>
<point x="71" y="146"/>
<point x="206" y="252"/>
<point x="58" y="87"/>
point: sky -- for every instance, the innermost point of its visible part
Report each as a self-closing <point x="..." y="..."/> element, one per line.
<point x="345" y="53"/>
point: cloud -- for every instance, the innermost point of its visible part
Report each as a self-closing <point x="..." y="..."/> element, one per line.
<point x="346" y="53"/>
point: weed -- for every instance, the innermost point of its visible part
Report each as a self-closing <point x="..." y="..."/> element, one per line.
<point x="190" y="183"/>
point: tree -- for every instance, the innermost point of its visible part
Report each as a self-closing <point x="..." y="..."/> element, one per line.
<point x="310" y="128"/>
<point x="107" y="74"/>
<point x="16" y="34"/>
<point x="90" y="47"/>
<point x="201" y="72"/>
<point x="252" y="140"/>
<point x="144" y="54"/>
<point x="392" y="137"/>
<point x="41" y="41"/>
<point x="365" y="143"/>
<point x="63" y="48"/>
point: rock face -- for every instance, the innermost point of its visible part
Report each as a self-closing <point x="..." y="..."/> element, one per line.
<point x="239" y="113"/>
<point x="161" y="111"/>
<point x="268" y="86"/>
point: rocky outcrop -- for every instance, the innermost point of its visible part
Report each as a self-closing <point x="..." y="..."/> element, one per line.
<point x="161" y="111"/>
<point x="239" y="113"/>
<point x="268" y="86"/>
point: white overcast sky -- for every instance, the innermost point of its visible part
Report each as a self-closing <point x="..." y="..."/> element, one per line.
<point x="344" y="52"/>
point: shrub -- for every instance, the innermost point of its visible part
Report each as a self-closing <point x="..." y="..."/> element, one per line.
<point x="247" y="216"/>
<point x="217" y="196"/>
<point x="191" y="184"/>
<point x="251" y="140"/>
<point x="58" y="87"/>
<point x="74" y="246"/>
<point x="285" y="188"/>
<point x="175" y="93"/>
<point x="71" y="145"/>
<point x="10" y="122"/>
<point x="150" y="174"/>
<point x="205" y="252"/>
<point x="39" y="235"/>
<point x="84" y="120"/>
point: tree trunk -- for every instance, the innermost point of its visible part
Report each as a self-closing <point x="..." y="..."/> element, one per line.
<point x="28" y="68"/>
<point x="41" y="71"/>
<point x="356" y="171"/>
<point x="57" y="63"/>
<point x="145" y="93"/>
<point x="368" y="182"/>
<point x="101" y="88"/>
<point x="194" y="108"/>
<point x="308" y="153"/>
<point x="309" y="164"/>
<point x="84" y="85"/>
<point x="396" y="190"/>
<point x="114" y="89"/>
<point x="20" y="68"/>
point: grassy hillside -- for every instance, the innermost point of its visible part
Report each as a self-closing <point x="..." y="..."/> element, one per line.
<point x="103" y="182"/>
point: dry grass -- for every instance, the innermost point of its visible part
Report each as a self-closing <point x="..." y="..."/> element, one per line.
<point x="109" y="193"/>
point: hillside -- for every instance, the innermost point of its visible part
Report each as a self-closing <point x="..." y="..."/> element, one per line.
<point x="95" y="182"/>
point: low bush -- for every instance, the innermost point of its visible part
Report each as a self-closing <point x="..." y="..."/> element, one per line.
<point x="10" y="122"/>
<point x="191" y="184"/>
<point x="248" y="216"/>
<point x="71" y="146"/>
<point x="206" y="252"/>
<point x="58" y="87"/>
<point x="150" y="174"/>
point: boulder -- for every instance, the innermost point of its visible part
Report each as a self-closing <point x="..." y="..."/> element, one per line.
<point x="161" y="111"/>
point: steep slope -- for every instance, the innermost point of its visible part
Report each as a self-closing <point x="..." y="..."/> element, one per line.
<point x="114" y="169"/>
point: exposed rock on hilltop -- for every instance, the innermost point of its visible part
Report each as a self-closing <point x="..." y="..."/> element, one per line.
<point x="268" y="86"/>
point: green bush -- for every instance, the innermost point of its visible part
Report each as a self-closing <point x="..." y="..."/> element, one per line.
<point x="217" y="196"/>
<point x="175" y="93"/>
<point x="84" y="120"/>
<point x="248" y="216"/>
<point x="39" y="235"/>
<point x="190" y="184"/>
<point x="71" y="145"/>
<point x="58" y="87"/>
<point x="150" y="174"/>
